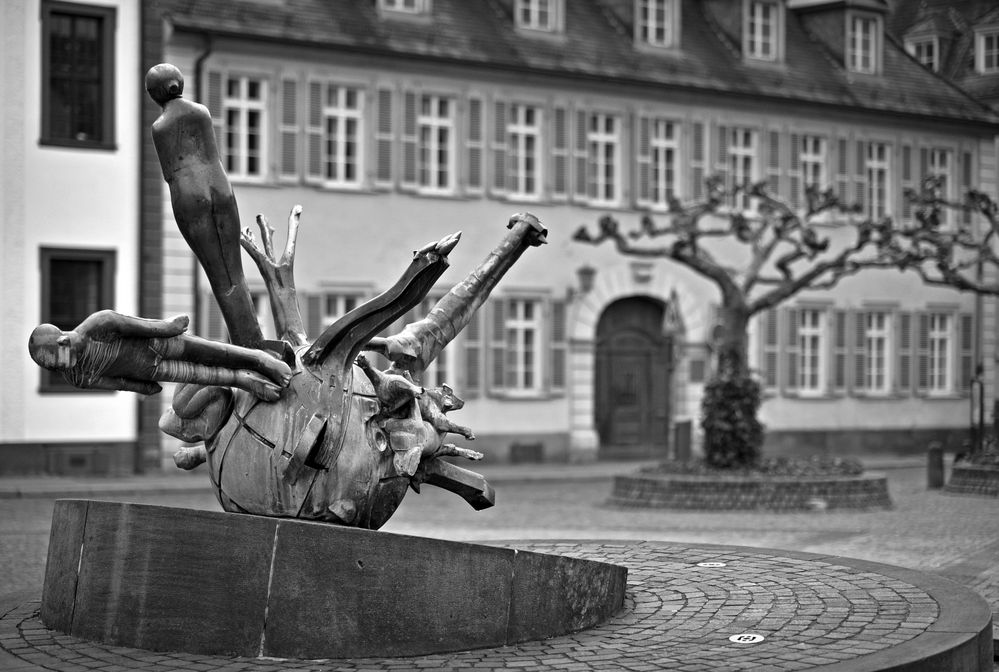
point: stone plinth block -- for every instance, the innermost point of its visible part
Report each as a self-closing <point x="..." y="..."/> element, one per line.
<point x="170" y="579"/>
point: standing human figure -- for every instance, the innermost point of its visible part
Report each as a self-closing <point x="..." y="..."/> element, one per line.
<point x="203" y="203"/>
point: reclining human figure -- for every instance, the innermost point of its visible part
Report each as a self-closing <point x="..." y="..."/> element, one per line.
<point x="111" y="351"/>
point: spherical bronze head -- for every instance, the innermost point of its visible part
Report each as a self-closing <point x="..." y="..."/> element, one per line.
<point x="164" y="83"/>
<point x="51" y="347"/>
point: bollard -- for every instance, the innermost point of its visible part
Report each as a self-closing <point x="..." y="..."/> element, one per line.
<point x="935" y="466"/>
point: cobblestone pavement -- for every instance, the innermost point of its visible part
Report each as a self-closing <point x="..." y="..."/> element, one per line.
<point x="953" y="536"/>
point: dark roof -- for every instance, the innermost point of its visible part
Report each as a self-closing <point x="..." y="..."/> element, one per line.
<point x="597" y="44"/>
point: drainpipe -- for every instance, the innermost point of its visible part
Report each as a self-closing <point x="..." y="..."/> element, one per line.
<point x="199" y="86"/>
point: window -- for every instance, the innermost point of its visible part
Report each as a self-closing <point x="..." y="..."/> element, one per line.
<point x="435" y="144"/>
<point x="657" y="22"/>
<point x="877" y="165"/>
<point x="938" y="366"/>
<point x="523" y="145"/>
<point x="863" y="44"/>
<point x="544" y="15"/>
<point x="77" y="75"/>
<point x="75" y="284"/>
<point x="342" y="119"/>
<point x="603" y="141"/>
<point x="657" y="156"/>
<point x="813" y="160"/>
<point x="873" y="359"/>
<point x="522" y="336"/>
<point x="925" y="50"/>
<point x="244" y="105"/>
<point x="987" y="51"/>
<point x="405" y="6"/>
<point x="762" y="30"/>
<point x="811" y="351"/>
<point x="337" y="304"/>
<point x="742" y="160"/>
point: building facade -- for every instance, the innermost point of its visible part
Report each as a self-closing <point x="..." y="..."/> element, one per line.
<point x="69" y="194"/>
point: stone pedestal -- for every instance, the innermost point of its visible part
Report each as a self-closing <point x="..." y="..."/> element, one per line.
<point x="169" y="579"/>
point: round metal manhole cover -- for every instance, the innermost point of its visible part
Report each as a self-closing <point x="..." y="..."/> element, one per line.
<point x="711" y="564"/>
<point x="746" y="638"/>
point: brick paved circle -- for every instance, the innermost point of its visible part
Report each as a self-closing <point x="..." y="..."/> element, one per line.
<point x="812" y="611"/>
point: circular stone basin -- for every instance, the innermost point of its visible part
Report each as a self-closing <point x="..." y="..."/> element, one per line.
<point x="730" y="492"/>
<point x="171" y="579"/>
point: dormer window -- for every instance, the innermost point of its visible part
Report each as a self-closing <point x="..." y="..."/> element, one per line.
<point x="542" y="15"/>
<point x="863" y="43"/>
<point x="926" y="50"/>
<point x="405" y="6"/>
<point x="657" y="22"/>
<point x="763" y="29"/>
<point x="987" y="51"/>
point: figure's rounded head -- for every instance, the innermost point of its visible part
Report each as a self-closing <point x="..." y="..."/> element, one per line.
<point x="164" y="82"/>
<point x="50" y="347"/>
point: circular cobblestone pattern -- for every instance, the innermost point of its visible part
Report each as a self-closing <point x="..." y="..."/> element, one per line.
<point x="798" y="612"/>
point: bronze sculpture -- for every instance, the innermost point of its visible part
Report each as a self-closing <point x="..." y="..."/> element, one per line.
<point x="325" y="436"/>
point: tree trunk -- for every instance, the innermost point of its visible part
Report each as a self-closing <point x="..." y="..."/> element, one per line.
<point x="732" y="338"/>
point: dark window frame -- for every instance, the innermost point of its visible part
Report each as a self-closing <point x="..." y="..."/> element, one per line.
<point x="51" y="382"/>
<point x="108" y="19"/>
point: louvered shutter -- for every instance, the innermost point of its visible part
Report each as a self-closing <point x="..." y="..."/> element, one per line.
<point x="314" y="134"/>
<point x="409" y="179"/>
<point x="313" y="316"/>
<point x="557" y="346"/>
<point x="697" y="163"/>
<point x="474" y="146"/>
<point x="790" y="349"/>
<point x="643" y="161"/>
<point x="774" y="162"/>
<point x="967" y="178"/>
<point x="859" y="352"/>
<point x="472" y="347"/>
<point x="842" y="170"/>
<point x="797" y="188"/>
<point x="770" y="349"/>
<point x="384" y="139"/>
<point x="214" y="321"/>
<point x="560" y="154"/>
<point x="903" y="337"/>
<point x="839" y="351"/>
<point x="499" y="148"/>
<point x="922" y="353"/>
<point x="966" y="351"/>
<point x="580" y="162"/>
<point x="721" y="155"/>
<point x="497" y="345"/>
<point x="924" y="165"/>
<point x="213" y="101"/>
<point x="907" y="182"/>
<point x="289" y="131"/>
<point x="860" y="185"/>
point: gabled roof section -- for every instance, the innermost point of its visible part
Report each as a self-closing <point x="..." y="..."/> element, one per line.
<point x="597" y="44"/>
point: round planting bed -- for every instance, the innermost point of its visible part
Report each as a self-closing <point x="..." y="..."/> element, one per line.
<point x="749" y="492"/>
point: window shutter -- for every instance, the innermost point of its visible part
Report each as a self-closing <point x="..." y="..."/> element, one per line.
<point x="289" y="131"/>
<point x="499" y="147"/>
<point x="472" y="345"/>
<point x="474" y="144"/>
<point x="966" y="183"/>
<point x="924" y="165"/>
<point x="560" y="154"/>
<point x="790" y="349"/>
<point x="796" y="190"/>
<point x="384" y="140"/>
<point x="697" y="163"/>
<point x="842" y="180"/>
<point x="860" y="176"/>
<point x="906" y="182"/>
<point x="557" y="346"/>
<point x="923" y="353"/>
<point x="409" y="142"/>
<point x="497" y="345"/>
<point x="213" y="101"/>
<point x="313" y="316"/>
<point x="839" y="351"/>
<point x="774" y="163"/>
<point x="903" y="337"/>
<point x="966" y="351"/>
<point x="643" y="161"/>
<point x="314" y="134"/>
<point x="214" y="328"/>
<point x="580" y="190"/>
<point x="859" y="352"/>
<point x="770" y="348"/>
<point x="721" y="155"/>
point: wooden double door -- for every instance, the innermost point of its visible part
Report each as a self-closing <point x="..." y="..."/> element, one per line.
<point x="632" y="381"/>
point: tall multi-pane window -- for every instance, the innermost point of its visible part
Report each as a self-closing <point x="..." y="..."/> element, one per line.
<point x="878" y="168"/>
<point x="924" y="50"/>
<point x="664" y="152"/>
<point x="244" y="108"/>
<point x="813" y="160"/>
<point x="987" y="52"/>
<point x="811" y="351"/>
<point x="938" y="353"/>
<point x="436" y="143"/>
<point x="537" y="14"/>
<point x="762" y="30"/>
<point x="742" y="152"/>
<point x="524" y="142"/>
<point x="342" y="119"/>
<point x="656" y="23"/>
<point x="523" y="345"/>
<point x="77" y="74"/>
<point x="603" y="139"/>
<point x="862" y="44"/>
<point x="877" y="336"/>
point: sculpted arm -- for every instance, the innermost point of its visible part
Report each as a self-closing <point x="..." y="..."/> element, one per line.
<point x="108" y="322"/>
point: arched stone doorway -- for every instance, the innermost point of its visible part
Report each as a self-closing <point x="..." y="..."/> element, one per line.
<point x="632" y="380"/>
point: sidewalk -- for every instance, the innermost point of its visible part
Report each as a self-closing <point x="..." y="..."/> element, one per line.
<point x="178" y="481"/>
